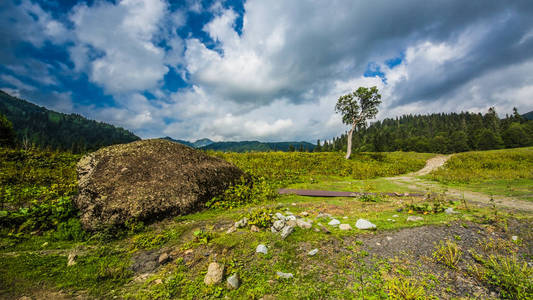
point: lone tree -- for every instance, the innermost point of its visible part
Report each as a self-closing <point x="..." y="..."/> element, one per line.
<point x="356" y="108"/>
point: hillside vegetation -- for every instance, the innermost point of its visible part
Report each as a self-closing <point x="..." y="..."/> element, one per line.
<point x="441" y="133"/>
<point x="499" y="172"/>
<point x="475" y="252"/>
<point x="38" y="126"/>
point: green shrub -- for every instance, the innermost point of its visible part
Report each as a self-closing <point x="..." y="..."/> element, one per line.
<point x="244" y="192"/>
<point x="479" y="166"/>
<point x="261" y="217"/>
<point x="448" y="253"/>
<point x="405" y="289"/>
<point x="512" y="277"/>
<point x="70" y="230"/>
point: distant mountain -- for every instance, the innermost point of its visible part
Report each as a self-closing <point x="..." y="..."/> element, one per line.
<point x="248" y="146"/>
<point x="46" y="128"/>
<point x="198" y="144"/>
<point x="528" y="116"/>
<point x="245" y="146"/>
<point x="186" y="143"/>
<point x="202" y="143"/>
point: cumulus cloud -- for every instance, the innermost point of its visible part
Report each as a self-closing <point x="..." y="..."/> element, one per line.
<point x="279" y="75"/>
<point x="114" y="43"/>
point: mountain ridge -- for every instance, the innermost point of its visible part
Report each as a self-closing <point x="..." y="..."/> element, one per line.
<point x="42" y="127"/>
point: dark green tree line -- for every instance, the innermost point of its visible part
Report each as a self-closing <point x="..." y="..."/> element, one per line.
<point x="440" y="133"/>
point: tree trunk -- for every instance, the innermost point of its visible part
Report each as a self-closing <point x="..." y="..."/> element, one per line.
<point x="349" y="148"/>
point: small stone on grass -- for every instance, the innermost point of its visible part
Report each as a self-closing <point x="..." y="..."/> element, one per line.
<point x="261" y="249"/>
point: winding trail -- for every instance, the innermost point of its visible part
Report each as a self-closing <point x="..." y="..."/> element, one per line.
<point x="415" y="183"/>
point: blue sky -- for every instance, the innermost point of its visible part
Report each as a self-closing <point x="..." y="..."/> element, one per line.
<point x="263" y="70"/>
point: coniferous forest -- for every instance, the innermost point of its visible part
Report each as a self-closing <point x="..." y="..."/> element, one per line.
<point x="37" y="126"/>
<point x="439" y="133"/>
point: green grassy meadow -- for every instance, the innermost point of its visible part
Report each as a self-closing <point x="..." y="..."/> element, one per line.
<point x="499" y="172"/>
<point x="40" y="230"/>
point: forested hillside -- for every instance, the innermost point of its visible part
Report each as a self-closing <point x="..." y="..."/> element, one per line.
<point x="255" y="146"/>
<point x="440" y="133"/>
<point x="35" y="125"/>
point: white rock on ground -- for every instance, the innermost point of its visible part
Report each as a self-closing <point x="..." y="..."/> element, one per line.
<point x="345" y="227"/>
<point x="214" y="275"/>
<point x="312" y="252"/>
<point x="71" y="259"/>
<point x="261" y="249"/>
<point x="414" y="219"/>
<point x="334" y="222"/>
<point x="234" y="281"/>
<point x="291" y="218"/>
<point x="303" y="224"/>
<point x="514" y="238"/>
<point x="450" y="211"/>
<point x="279" y="216"/>
<point x="286" y="231"/>
<point x="364" y="224"/>
<point x="284" y="275"/>
<point x="278" y="225"/>
<point x="241" y="223"/>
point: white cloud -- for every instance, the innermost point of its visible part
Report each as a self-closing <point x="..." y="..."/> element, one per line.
<point x="121" y="39"/>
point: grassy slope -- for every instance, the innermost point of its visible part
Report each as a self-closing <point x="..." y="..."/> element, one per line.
<point x="341" y="269"/>
<point x="500" y="172"/>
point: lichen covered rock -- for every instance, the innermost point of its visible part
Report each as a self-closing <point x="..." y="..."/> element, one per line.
<point x="148" y="179"/>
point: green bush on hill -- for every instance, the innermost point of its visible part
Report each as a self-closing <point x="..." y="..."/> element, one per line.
<point x="480" y="166"/>
<point x="36" y="188"/>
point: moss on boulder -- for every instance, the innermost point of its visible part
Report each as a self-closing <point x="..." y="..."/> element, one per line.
<point x="149" y="179"/>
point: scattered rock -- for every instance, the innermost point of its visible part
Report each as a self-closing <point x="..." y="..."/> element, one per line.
<point x="158" y="281"/>
<point x="189" y="251"/>
<point x="169" y="179"/>
<point x="395" y="216"/>
<point x="312" y="252"/>
<point x="303" y="224"/>
<point x="304" y="214"/>
<point x="291" y="218"/>
<point x="316" y="229"/>
<point x="293" y="204"/>
<point x="71" y="259"/>
<point x="323" y="215"/>
<point x="345" y="227"/>
<point x="389" y="238"/>
<point x="284" y="275"/>
<point x="233" y="282"/>
<point x="163" y="258"/>
<point x="514" y="238"/>
<point x="254" y="228"/>
<point x="450" y="211"/>
<point x="378" y="244"/>
<point x="286" y="231"/>
<point x="261" y="249"/>
<point x="345" y="218"/>
<point x="242" y="222"/>
<point x="278" y="225"/>
<point x="279" y="216"/>
<point x="334" y="222"/>
<point x="214" y="275"/>
<point x="232" y="229"/>
<point x="324" y="229"/>
<point x="364" y="224"/>
<point x="414" y="219"/>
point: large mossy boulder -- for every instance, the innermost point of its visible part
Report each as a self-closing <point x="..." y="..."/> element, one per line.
<point x="145" y="180"/>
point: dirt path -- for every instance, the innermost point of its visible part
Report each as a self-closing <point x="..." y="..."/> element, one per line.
<point x="414" y="183"/>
